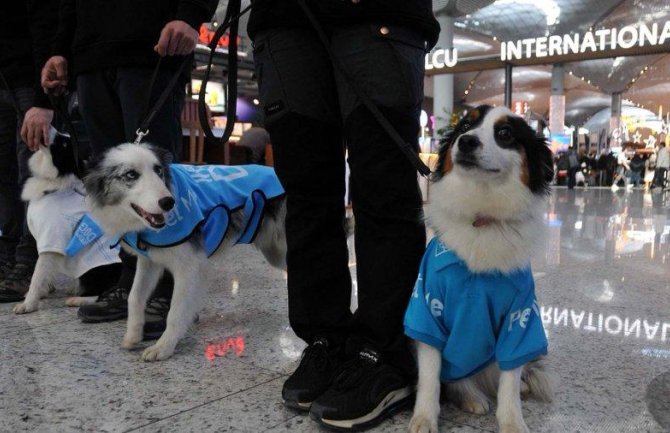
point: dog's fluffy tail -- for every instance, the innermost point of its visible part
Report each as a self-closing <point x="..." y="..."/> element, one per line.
<point x="536" y="376"/>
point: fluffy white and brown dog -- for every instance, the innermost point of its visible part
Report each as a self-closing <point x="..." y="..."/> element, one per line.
<point x="182" y="218"/>
<point x="473" y="313"/>
<point x="56" y="211"/>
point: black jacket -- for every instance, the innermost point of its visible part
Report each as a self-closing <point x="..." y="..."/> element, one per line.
<point x="415" y="14"/>
<point x="26" y="31"/>
<point x="99" y="34"/>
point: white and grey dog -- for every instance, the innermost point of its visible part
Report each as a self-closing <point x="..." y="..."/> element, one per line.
<point x="473" y="312"/>
<point x="56" y="205"/>
<point x="137" y="195"/>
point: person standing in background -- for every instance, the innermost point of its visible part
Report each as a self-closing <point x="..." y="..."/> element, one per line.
<point x="26" y="29"/>
<point x="662" y="166"/>
<point x="357" y="367"/>
<point x="622" y="170"/>
<point x="110" y="49"/>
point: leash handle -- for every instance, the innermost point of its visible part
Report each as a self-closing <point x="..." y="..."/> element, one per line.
<point x="405" y="147"/>
<point x="231" y="21"/>
<point x="59" y="104"/>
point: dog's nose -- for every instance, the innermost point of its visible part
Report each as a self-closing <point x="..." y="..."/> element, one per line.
<point x="468" y="143"/>
<point x="166" y="203"/>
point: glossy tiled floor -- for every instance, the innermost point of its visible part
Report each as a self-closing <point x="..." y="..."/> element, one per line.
<point x="603" y="283"/>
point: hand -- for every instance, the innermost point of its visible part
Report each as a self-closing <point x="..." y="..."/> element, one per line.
<point x="54" y="75"/>
<point x="35" y="128"/>
<point x="177" y="39"/>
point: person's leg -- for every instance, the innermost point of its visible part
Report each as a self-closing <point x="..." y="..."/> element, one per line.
<point x="387" y="202"/>
<point x="26" y="250"/>
<point x="390" y="235"/>
<point x="298" y="96"/>
<point x="11" y="208"/>
<point x="17" y="282"/>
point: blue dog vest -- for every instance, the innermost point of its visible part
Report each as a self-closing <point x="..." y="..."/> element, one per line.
<point x="205" y="196"/>
<point x="474" y="319"/>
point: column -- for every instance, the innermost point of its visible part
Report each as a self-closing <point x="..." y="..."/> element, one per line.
<point x="557" y="100"/>
<point x="615" y="121"/>
<point x="443" y="84"/>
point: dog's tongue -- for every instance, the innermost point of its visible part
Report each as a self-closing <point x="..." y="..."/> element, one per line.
<point x="483" y="221"/>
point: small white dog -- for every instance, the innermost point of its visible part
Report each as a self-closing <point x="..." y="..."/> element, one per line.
<point x="182" y="218"/>
<point x="56" y="211"/>
<point x="473" y="311"/>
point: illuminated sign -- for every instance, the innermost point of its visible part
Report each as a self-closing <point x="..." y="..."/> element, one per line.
<point x="441" y="58"/>
<point x="594" y="41"/>
<point x="557" y="45"/>
<point x="206" y="35"/>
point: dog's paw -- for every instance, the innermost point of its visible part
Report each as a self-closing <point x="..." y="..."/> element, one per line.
<point x="514" y="428"/>
<point x="130" y="340"/>
<point x="24" y="308"/>
<point x="422" y="423"/>
<point x="157" y="352"/>
<point x="478" y="407"/>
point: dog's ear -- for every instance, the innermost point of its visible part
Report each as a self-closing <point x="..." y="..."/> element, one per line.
<point x="445" y="145"/>
<point x="164" y="156"/>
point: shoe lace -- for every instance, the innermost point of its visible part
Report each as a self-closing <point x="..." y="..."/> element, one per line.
<point x="19" y="272"/>
<point x="116" y="293"/>
<point x="317" y="356"/>
<point x="352" y="373"/>
<point x="158" y="305"/>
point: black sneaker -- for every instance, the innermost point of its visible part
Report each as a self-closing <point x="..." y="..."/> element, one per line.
<point x="5" y="269"/>
<point x="16" y="283"/>
<point x="155" y="317"/>
<point x="365" y="392"/>
<point x="111" y="305"/>
<point x="314" y="375"/>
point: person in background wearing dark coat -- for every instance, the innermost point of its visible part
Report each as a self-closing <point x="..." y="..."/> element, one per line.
<point x="357" y="367"/>
<point x="26" y="29"/>
<point x="110" y="49"/>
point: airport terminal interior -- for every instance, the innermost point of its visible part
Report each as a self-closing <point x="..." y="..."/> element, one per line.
<point x="592" y="76"/>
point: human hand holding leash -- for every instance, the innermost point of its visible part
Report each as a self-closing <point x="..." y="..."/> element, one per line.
<point x="35" y="128"/>
<point x="177" y="39"/>
<point x="54" y="75"/>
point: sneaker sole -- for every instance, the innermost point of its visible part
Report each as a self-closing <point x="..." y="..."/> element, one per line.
<point x="94" y="319"/>
<point x="296" y="405"/>
<point x="394" y="402"/>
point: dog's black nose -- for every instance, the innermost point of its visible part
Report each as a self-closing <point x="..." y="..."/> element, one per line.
<point x="166" y="203"/>
<point x="468" y="143"/>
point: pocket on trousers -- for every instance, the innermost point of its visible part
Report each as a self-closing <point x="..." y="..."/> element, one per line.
<point x="269" y="84"/>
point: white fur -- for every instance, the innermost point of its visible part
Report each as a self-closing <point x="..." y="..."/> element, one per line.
<point x="185" y="261"/>
<point x="463" y="195"/>
<point x="493" y="190"/>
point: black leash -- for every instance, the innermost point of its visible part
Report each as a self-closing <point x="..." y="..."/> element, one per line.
<point x="143" y="129"/>
<point x="406" y="148"/>
<point x="231" y="20"/>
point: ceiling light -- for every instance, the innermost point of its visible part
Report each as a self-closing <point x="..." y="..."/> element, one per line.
<point x="549" y="8"/>
<point x="256" y="101"/>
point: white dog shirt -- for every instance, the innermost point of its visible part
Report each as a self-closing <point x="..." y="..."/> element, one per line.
<point x="52" y="220"/>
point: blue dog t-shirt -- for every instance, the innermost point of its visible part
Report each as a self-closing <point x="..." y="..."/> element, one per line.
<point x="474" y="319"/>
<point x="205" y="196"/>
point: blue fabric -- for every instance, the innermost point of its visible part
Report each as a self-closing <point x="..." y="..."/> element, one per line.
<point x="86" y="233"/>
<point x="474" y="319"/>
<point x="205" y="195"/>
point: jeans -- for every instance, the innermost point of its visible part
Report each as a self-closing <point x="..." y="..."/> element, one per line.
<point x="113" y="103"/>
<point x="313" y="117"/>
<point x="16" y="242"/>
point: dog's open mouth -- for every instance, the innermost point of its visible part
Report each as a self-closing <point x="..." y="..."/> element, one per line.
<point x="155" y="220"/>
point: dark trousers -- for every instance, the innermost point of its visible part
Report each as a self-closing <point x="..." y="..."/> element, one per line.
<point x="572" y="177"/>
<point x="112" y="103"/>
<point x="313" y="117"/>
<point x="16" y="242"/>
<point x="659" y="177"/>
